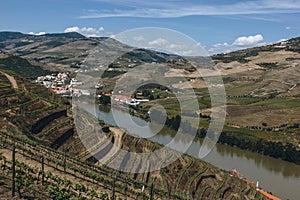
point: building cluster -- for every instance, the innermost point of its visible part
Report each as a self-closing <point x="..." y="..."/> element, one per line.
<point x="62" y="84"/>
<point x="128" y="100"/>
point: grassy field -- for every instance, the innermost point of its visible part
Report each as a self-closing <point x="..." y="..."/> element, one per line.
<point x="281" y="103"/>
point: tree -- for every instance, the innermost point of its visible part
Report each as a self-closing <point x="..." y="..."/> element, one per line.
<point x="176" y="122"/>
<point x="104" y="100"/>
<point x="146" y="93"/>
<point x="151" y="97"/>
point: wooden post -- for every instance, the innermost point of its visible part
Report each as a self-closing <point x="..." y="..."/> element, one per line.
<point x="151" y="191"/>
<point x="126" y="186"/>
<point x="43" y="170"/>
<point x="65" y="161"/>
<point x="114" y="185"/>
<point x="169" y="187"/>
<point x="13" y="170"/>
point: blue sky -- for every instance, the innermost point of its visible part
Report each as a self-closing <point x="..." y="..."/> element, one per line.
<point x="219" y="25"/>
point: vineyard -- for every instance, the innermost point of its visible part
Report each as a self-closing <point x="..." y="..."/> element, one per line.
<point x="42" y="157"/>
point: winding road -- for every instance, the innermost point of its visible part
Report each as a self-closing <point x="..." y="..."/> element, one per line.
<point x="11" y="79"/>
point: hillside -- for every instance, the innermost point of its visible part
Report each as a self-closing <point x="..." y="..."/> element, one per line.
<point x="271" y="70"/>
<point x="262" y="93"/>
<point x="21" y="66"/>
<point x="51" y="162"/>
<point x="35" y="48"/>
<point x="67" y="51"/>
<point x="261" y="83"/>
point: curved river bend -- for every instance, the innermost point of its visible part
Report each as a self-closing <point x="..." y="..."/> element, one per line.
<point x="280" y="177"/>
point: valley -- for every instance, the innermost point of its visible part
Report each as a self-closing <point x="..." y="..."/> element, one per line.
<point x="262" y="93"/>
<point x="45" y="145"/>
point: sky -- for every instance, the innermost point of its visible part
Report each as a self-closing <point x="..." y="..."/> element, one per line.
<point x="218" y="25"/>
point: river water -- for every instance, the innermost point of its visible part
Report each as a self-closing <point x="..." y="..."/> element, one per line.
<point x="280" y="177"/>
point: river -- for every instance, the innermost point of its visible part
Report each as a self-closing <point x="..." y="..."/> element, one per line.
<point x="277" y="176"/>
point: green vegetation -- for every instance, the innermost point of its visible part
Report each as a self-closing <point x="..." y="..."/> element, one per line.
<point x="35" y="118"/>
<point x="80" y="171"/>
<point x="280" y="103"/>
<point x="22" y="67"/>
<point x="269" y="65"/>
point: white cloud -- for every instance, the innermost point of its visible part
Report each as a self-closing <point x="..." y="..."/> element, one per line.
<point x="260" y="18"/>
<point x="158" y="42"/>
<point x="220" y="48"/>
<point x="139" y="38"/>
<point x="169" y="9"/>
<point x="161" y="39"/>
<point x="239" y="43"/>
<point x="287" y="28"/>
<point x="178" y="47"/>
<point x="40" y="33"/>
<point x="282" y="40"/>
<point x="88" y="31"/>
<point x="72" y="29"/>
<point x="248" y="40"/>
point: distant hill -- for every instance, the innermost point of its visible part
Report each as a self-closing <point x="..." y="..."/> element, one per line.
<point x="242" y="55"/>
<point x="21" y="66"/>
<point x="67" y="51"/>
<point x="62" y="50"/>
<point x="12" y="35"/>
<point x="274" y="69"/>
<point x="8" y="35"/>
<point x="71" y="35"/>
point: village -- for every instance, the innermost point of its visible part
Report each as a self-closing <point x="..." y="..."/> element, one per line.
<point x="63" y="84"/>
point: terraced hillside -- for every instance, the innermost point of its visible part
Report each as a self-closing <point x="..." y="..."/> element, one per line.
<point x="261" y="84"/>
<point x="42" y="153"/>
<point x="29" y="108"/>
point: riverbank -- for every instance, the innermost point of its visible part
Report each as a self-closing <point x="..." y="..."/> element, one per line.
<point x="186" y="176"/>
<point x="272" y="173"/>
<point x="252" y="140"/>
<point x="249" y="140"/>
<point x="268" y="195"/>
<point x="286" y="152"/>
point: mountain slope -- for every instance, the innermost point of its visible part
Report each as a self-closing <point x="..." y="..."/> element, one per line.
<point x="262" y="83"/>
<point x="62" y="51"/>
<point x="38" y="124"/>
<point x="7" y="35"/>
<point x="21" y="66"/>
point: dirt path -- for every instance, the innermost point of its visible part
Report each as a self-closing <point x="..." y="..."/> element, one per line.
<point x="118" y="135"/>
<point x="11" y="79"/>
<point x="117" y="144"/>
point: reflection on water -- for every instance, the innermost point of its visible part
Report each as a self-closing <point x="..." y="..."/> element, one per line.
<point x="285" y="168"/>
<point x="278" y="176"/>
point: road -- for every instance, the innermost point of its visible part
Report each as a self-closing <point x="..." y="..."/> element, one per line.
<point x="11" y="79"/>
